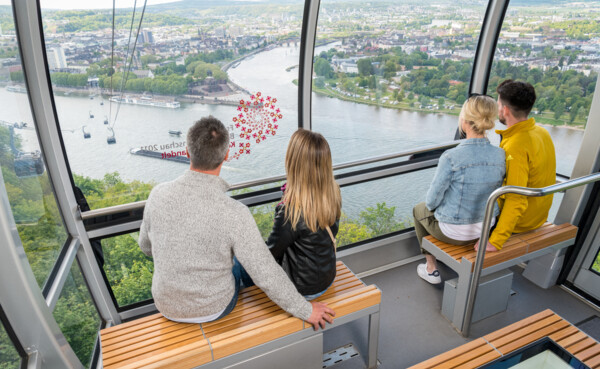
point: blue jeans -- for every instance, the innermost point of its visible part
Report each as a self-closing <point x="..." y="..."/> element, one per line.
<point x="242" y="280"/>
<point x="312" y="297"/>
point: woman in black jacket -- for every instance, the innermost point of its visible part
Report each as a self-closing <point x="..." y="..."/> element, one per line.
<point x="306" y="220"/>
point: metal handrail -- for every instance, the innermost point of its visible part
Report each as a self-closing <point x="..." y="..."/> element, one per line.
<point x="485" y="231"/>
<point x="138" y="205"/>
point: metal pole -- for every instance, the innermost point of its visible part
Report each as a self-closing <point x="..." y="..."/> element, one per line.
<point x="487" y="220"/>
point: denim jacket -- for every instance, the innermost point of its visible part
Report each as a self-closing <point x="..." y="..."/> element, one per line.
<point x="465" y="177"/>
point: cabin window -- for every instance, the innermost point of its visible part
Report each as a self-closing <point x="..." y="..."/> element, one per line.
<point x="124" y="114"/>
<point x="548" y="45"/>
<point x="389" y="77"/>
<point x="9" y="356"/>
<point x="77" y="316"/>
<point x="28" y="186"/>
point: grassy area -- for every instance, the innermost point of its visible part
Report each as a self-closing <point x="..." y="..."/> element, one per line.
<point x="401" y="105"/>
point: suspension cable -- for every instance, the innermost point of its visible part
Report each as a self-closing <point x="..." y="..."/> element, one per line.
<point x="128" y="66"/>
<point x="112" y="62"/>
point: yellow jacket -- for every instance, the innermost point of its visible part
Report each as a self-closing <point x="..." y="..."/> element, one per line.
<point x="530" y="162"/>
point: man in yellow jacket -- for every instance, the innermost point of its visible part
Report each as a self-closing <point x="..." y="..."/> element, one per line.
<point x="530" y="162"/>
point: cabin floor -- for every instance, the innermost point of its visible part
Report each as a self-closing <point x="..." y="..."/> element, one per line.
<point x="412" y="328"/>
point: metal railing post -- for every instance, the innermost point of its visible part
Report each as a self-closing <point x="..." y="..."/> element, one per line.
<point x="485" y="232"/>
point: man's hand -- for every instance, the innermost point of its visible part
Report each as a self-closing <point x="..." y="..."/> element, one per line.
<point x="320" y="314"/>
<point x="489" y="248"/>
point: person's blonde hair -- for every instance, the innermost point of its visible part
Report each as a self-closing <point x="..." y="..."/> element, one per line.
<point x="479" y="112"/>
<point x="311" y="190"/>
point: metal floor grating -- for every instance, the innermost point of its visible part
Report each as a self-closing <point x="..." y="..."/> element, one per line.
<point x="338" y="355"/>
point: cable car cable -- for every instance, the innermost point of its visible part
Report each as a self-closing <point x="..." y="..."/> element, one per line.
<point x="112" y="61"/>
<point x="126" y="56"/>
<point x="130" y="60"/>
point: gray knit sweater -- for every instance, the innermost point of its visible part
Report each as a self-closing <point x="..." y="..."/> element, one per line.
<point x="192" y="229"/>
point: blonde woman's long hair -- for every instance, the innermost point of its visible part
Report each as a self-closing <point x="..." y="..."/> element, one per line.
<point x="311" y="190"/>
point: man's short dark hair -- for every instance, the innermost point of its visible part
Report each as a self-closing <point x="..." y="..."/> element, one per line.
<point x="207" y="143"/>
<point x="518" y="96"/>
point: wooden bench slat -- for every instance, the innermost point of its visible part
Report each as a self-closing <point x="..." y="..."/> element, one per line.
<point x="123" y="326"/>
<point x="563" y="334"/>
<point x="128" y="347"/>
<point x="147" y="332"/>
<point x="552" y="238"/>
<point x="111" y="333"/>
<point x="344" y="281"/>
<point x="518" y="325"/>
<point x="449" y="355"/>
<point x="466" y="358"/>
<point x="233" y="332"/>
<point x="581" y="345"/>
<point x="589" y="353"/>
<point x="594" y="362"/>
<point x="544" y="229"/>
<point x="347" y="305"/>
<point x="197" y="352"/>
<point x="533" y="327"/>
<point x="577" y="337"/>
<point x="242" y="320"/>
<point x="265" y="331"/>
<point x="149" y="347"/>
<point x="481" y="360"/>
<point x="531" y="337"/>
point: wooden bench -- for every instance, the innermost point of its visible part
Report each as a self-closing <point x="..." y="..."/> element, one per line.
<point x="519" y="248"/>
<point x="506" y="340"/>
<point x="256" y="334"/>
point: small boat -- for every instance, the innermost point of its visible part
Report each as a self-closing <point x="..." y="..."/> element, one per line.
<point x="101" y="102"/>
<point x="105" y="119"/>
<point x="91" y="115"/>
<point x="174" y="132"/>
<point x="85" y="134"/>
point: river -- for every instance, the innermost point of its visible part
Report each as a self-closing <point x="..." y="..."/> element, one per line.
<point x="354" y="131"/>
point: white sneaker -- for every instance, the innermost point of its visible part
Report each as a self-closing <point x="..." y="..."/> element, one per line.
<point x="433" y="278"/>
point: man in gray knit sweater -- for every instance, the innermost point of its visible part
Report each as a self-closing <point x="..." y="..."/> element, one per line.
<point x="193" y="229"/>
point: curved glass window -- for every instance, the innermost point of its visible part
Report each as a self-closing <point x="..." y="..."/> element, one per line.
<point x="9" y="357"/>
<point x="26" y="180"/>
<point x="77" y="316"/>
<point x="550" y="45"/>
<point x="125" y="111"/>
<point x="390" y="76"/>
<point x="128" y="270"/>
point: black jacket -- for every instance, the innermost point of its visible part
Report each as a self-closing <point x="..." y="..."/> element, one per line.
<point x="307" y="257"/>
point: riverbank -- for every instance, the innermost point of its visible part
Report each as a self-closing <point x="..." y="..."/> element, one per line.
<point x="543" y="120"/>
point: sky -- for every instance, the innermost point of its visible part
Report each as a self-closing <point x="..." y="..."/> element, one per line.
<point x="91" y="4"/>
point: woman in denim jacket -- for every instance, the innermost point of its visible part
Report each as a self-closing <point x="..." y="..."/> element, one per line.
<point x="465" y="177"/>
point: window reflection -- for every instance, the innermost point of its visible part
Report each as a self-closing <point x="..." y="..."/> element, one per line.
<point x="550" y="46"/>
<point x="124" y="114"/>
<point x="77" y="316"/>
<point x="27" y="184"/>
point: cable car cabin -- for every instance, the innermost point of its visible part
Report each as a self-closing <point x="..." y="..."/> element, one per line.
<point x="28" y="164"/>
<point x="384" y="83"/>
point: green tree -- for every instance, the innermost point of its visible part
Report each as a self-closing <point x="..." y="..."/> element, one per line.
<point x="559" y="109"/>
<point x="365" y="68"/>
<point x="322" y="68"/>
<point x="380" y="220"/>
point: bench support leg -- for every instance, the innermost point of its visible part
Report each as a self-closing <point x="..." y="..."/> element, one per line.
<point x="373" y="340"/>
<point x="462" y="292"/>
